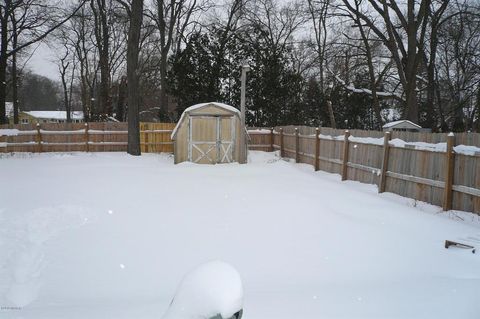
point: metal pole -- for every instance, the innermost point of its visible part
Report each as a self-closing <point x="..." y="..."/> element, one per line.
<point x="243" y="144"/>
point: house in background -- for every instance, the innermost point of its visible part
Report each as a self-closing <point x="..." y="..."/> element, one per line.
<point x="402" y="125"/>
<point x="27" y="117"/>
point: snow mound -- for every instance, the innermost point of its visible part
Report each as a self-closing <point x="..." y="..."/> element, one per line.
<point x="211" y="290"/>
<point x="259" y="157"/>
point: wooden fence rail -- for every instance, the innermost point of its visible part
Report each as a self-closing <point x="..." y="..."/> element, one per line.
<point x="449" y="178"/>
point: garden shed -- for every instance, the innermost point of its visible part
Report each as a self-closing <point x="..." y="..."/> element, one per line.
<point x="208" y="133"/>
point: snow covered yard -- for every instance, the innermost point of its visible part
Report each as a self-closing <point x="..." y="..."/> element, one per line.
<point x="107" y="235"/>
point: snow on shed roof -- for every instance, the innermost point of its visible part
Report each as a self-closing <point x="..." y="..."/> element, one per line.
<point x="199" y="106"/>
<point x="56" y="115"/>
<point x="391" y="124"/>
<point x="221" y="105"/>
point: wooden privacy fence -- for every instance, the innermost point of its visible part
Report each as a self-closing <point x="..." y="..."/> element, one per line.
<point x="83" y="137"/>
<point x="396" y="162"/>
<point x="447" y="177"/>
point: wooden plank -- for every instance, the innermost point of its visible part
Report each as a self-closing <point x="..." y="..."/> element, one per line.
<point x="281" y="143"/>
<point x="449" y="165"/>
<point x="369" y="169"/>
<point x="39" y="139"/>
<point x="145" y="137"/>
<point x="289" y="150"/>
<point x="386" y="153"/>
<point x="466" y="190"/>
<point x="317" y="148"/>
<point x="272" y="137"/>
<point x="306" y="154"/>
<point x="345" y="155"/>
<point x="307" y="136"/>
<point x="331" y="160"/>
<point x="297" y="146"/>
<point x="415" y="179"/>
<point x="290" y="135"/>
<point x="269" y="146"/>
<point x="86" y="137"/>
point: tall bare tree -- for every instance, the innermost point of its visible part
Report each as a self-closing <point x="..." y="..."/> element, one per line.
<point x="101" y="14"/>
<point x="403" y="32"/>
<point x="39" y="20"/>
<point x="171" y="17"/>
<point x="136" y="17"/>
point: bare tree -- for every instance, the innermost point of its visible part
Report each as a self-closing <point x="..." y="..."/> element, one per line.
<point x="37" y="25"/>
<point x="66" y="68"/>
<point x="403" y="33"/>
<point x="101" y="15"/>
<point x="319" y="11"/>
<point x="136" y="17"/>
<point x="171" y="18"/>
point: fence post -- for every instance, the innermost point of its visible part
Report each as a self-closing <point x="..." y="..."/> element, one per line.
<point x="281" y="142"/>
<point x="297" y="140"/>
<point x="146" y="128"/>
<point x="345" y="156"/>
<point x="449" y="167"/>
<point x="86" y="137"/>
<point x="386" y="154"/>
<point x="39" y="139"/>
<point x="272" y="140"/>
<point x="317" y="148"/>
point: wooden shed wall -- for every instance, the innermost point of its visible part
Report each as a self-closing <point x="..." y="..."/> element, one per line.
<point x="182" y="136"/>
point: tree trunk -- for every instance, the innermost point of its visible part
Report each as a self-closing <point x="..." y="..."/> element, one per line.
<point x="132" y="66"/>
<point x="14" y="68"/>
<point x="477" y="123"/>
<point x="122" y="94"/>
<point x="371" y="73"/>
<point x="333" y="124"/>
<point x="102" y="42"/>
<point x="65" y="95"/>
<point x="15" y="88"/>
<point x="163" y="85"/>
<point x="105" y="66"/>
<point x="411" y="111"/>
<point x="3" y="63"/>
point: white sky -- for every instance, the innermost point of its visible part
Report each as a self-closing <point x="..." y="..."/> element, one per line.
<point x="42" y="62"/>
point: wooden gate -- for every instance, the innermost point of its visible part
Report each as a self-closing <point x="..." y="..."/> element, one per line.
<point x="211" y="139"/>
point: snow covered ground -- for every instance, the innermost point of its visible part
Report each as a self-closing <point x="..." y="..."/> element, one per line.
<point x="107" y="235"/>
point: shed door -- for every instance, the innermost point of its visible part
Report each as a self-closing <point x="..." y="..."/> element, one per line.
<point x="211" y="139"/>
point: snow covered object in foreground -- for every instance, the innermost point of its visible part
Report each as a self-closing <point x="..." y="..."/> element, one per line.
<point x="211" y="291"/>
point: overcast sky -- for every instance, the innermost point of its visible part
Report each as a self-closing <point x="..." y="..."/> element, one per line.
<point x="42" y="62"/>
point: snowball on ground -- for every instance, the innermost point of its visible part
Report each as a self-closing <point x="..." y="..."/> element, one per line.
<point x="212" y="289"/>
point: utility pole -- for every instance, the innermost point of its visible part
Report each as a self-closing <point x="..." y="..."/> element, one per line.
<point x="243" y="142"/>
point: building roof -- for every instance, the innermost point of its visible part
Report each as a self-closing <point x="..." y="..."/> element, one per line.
<point x="55" y="115"/>
<point x="395" y="123"/>
<point x="220" y="105"/>
<point x="226" y="107"/>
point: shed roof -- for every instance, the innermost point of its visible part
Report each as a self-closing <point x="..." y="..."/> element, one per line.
<point x="395" y="123"/>
<point x="226" y="107"/>
<point x="220" y="105"/>
<point x="55" y="115"/>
